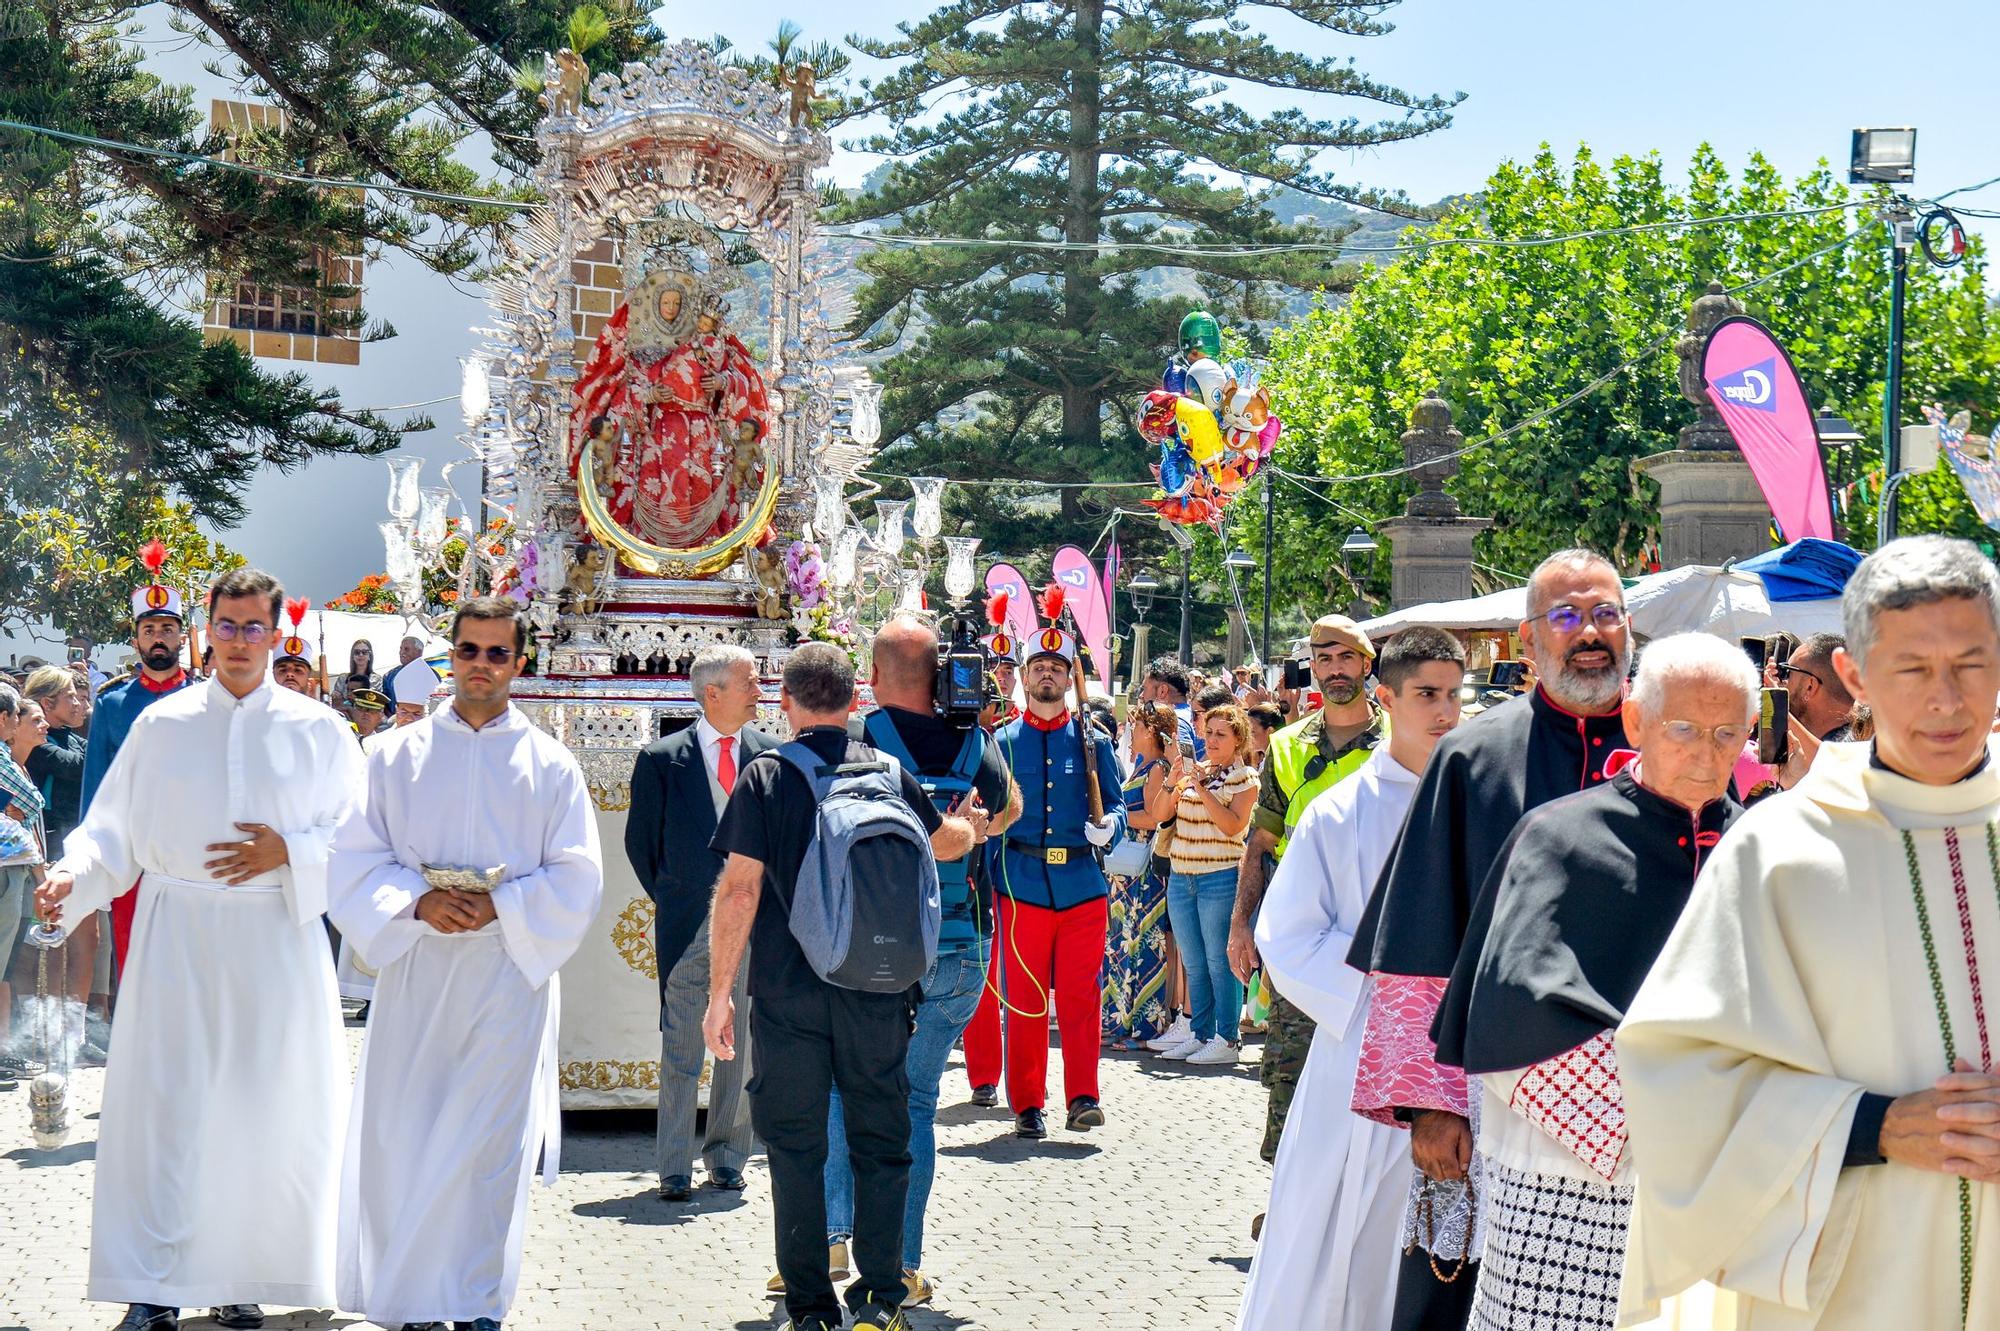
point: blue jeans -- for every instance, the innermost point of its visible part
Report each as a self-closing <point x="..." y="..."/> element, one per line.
<point x="951" y="993"/>
<point x="1199" y="905"/>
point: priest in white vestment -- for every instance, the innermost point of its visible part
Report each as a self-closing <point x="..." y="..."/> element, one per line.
<point x="1327" y="1260"/>
<point x="457" y="1095"/>
<point x="1801" y="1142"/>
<point x="225" y="1092"/>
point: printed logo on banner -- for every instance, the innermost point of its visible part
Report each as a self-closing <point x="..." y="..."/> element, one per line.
<point x="1074" y="577"/>
<point x="1754" y="386"/>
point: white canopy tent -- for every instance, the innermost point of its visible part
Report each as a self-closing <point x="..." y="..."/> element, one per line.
<point x="1727" y="603"/>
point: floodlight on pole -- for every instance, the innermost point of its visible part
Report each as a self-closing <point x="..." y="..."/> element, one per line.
<point x="1883" y="157"/>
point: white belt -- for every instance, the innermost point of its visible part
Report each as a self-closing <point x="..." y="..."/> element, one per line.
<point x="150" y="878"/>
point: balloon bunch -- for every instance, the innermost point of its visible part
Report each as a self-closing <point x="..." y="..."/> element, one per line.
<point x="1212" y="424"/>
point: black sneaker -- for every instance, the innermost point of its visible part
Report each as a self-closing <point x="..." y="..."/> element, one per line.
<point x="1084" y="1114"/>
<point x="239" y="1316"/>
<point x="881" y="1319"/>
<point x="1029" y="1123"/>
<point x="986" y="1097"/>
<point x="14" y="1067"/>
<point x="150" y="1317"/>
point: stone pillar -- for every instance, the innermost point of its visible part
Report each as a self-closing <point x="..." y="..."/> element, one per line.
<point x="1430" y="546"/>
<point x="1711" y="509"/>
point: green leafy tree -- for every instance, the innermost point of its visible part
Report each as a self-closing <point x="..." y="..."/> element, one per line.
<point x="1085" y="122"/>
<point x="1508" y="332"/>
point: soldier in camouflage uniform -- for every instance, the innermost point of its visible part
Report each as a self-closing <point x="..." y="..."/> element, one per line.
<point x="1305" y="758"/>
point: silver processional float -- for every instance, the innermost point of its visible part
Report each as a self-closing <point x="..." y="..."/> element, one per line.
<point x="666" y="419"/>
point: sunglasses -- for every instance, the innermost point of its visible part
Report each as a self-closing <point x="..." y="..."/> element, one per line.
<point x="1568" y="619"/>
<point x="1786" y="670"/>
<point x="471" y="651"/>
<point x="228" y="630"/>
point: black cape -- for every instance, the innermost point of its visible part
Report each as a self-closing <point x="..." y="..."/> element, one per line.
<point x="1569" y="922"/>
<point x="1481" y="779"/>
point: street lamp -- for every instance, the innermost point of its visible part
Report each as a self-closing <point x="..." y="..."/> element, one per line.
<point x="1240" y="560"/>
<point x="1142" y="589"/>
<point x="1355" y="553"/>
<point x="1889" y="156"/>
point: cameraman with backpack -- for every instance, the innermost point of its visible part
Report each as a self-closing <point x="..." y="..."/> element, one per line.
<point x="961" y="770"/>
<point x="824" y="830"/>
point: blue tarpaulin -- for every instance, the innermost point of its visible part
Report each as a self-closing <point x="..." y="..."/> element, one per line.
<point x="1807" y="570"/>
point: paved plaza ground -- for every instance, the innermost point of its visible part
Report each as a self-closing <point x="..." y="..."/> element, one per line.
<point x="1141" y="1224"/>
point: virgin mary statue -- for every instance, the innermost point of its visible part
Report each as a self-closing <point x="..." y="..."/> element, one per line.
<point x="670" y="412"/>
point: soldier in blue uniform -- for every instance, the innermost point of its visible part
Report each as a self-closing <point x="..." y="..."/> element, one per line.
<point x="1051" y="894"/>
<point x="158" y="629"/>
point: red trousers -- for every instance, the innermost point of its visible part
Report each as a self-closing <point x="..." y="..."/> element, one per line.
<point x="123" y="909"/>
<point x="982" y="1033"/>
<point x="1060" y="951"/>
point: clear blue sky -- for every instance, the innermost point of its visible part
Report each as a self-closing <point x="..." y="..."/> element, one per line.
<point x="1789" y="77"/>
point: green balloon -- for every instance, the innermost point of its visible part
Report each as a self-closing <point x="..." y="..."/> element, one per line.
<point x="1201" y="330"/>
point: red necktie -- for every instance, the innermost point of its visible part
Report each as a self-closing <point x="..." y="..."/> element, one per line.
<point x="725" y="763"/>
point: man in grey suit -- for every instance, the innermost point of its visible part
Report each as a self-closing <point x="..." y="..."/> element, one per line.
<point x="679" y="787"/>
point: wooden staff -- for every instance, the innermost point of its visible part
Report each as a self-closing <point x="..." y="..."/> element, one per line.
<point x="1080" y="669"/>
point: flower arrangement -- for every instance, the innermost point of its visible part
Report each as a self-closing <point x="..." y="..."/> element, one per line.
<point x="813" y="616"/>
<point x="805" y="575"/>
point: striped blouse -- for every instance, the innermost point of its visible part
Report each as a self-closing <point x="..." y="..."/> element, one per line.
<point x="1199" y="845"/>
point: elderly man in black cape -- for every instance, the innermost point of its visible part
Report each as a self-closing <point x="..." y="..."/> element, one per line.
<point x="1565" y="929"/>
<point x="1563" y="737"/>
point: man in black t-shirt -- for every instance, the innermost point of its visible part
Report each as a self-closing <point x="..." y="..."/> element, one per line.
<point x="819" y="1034"/>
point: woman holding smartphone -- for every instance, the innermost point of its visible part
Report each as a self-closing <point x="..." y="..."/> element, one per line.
<point x="1210" y="803"/>
<point x="1136" y="951"/>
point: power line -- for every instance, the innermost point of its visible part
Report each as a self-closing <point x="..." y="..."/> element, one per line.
<point x="1639" y="358"/>
<point x="1229" y="251"/>
<point x="1183" y="250"/>
<point x="268" y="172"/>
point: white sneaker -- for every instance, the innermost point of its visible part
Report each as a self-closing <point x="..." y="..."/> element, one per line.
<point x="1218" y="1052"/>
<point x="1177" y="1034"/>
<point x="1185" y="1049"/>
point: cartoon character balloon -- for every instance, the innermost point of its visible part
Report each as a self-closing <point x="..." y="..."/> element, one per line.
<point x="1211" y="422"/>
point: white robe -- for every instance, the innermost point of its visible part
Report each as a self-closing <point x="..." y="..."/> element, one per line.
<point x="1328" y="1256"/>
<point x="1795" y="980"/>
<point x="458" y="1084"/>
<point x="217" y="1150"/>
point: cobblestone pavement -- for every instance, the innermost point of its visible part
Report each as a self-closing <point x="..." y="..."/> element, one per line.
<point x="1141" y="1224"/>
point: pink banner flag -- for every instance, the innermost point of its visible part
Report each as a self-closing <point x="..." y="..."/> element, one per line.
<point x="1078" y="577"/>
<point x="1021" y="621"/>
<point x="1756" y="389"/>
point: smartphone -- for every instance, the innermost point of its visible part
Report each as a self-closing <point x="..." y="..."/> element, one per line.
<point x="1508" y="674"/>
<point x="1781" y="652"/>
<point x="1298" y="675"/>
<point x="1774" y="726"/>
<point x="1754" y="649"/>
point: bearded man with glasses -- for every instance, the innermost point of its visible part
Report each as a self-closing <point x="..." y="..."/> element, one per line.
<point x="1565" y="736"/>
<point x="467" y="876"/>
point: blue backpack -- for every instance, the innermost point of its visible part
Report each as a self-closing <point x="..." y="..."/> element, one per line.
<point x="865" y="909"/>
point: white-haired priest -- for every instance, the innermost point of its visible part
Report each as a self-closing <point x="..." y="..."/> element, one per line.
<point x="1565" y="928"/>
<point x="1802" y="1141"/>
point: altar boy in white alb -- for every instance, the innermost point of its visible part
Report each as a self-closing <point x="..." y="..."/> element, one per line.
<point x="1331" y="1236"/>
<point x="457" y="1093"/>
<point x="218" y="1146"/>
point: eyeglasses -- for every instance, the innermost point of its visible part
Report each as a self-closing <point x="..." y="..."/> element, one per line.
<point x="1786" y="669"/>
<point x="471" y="651"/>
<point x="1568" y="619"/>
<point x="228" y="630"/>
<point x="1722" y="737"/>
